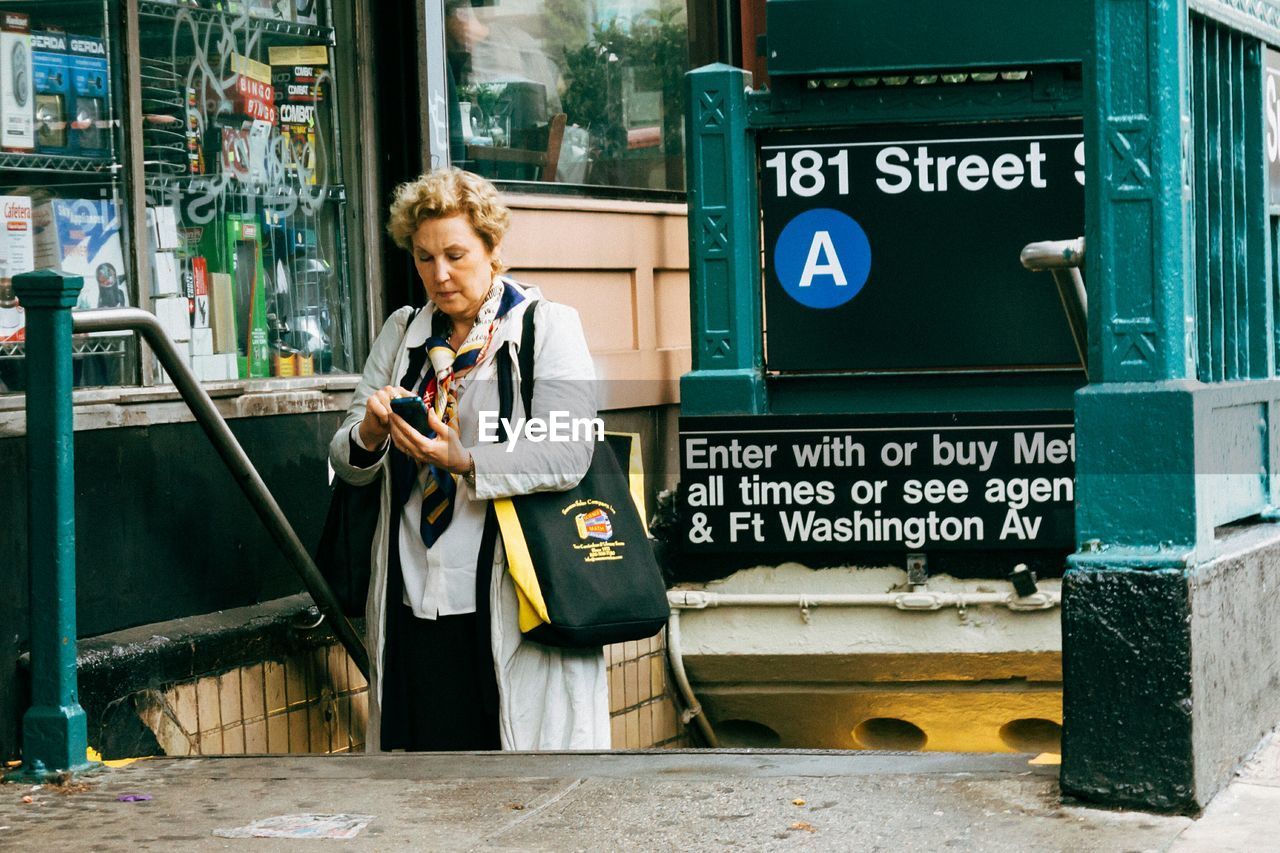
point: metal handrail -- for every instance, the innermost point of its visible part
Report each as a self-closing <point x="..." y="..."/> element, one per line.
<point x="237" y="461"/>
<point x="1063" y="259"/>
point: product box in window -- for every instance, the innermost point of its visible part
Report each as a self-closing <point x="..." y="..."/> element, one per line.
<point x="243" y="136"/>
<point x="195" y="145"/>
<point x="90" y="79"/>
<point x="237" y="252"/>
<point x="300" y="75"/>
<point x="200" y="294"/>
<point x="17" y="94"/>
<point x="222" y="313"/>
<point x="17" y="255"/>
<point x="51" y="74"/>
<point x="252" y="95"/>
<point x="245" y="151"/>
<point x="306" y="11"/>
<point x="276" y="10"/>
<point x="82" y="237"/>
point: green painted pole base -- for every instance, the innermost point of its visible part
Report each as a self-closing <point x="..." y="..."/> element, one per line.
<point x="58" y="735"/>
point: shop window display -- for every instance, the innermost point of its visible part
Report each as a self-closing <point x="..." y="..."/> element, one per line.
<point x="61" y="199"/>
<point x="240" y="218"/>
<point x="569" y="91"/>
<point x="243" y="187"/>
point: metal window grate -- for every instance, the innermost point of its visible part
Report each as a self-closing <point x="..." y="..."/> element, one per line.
<point x="1228" y="202"/>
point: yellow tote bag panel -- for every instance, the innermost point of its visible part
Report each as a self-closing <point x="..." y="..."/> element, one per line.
<point x="635" y="477"/>
<point x="533" y="609"/>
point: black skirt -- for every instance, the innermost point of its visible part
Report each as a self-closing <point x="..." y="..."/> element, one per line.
<point x="433" y="695"/>
<point x="439" y="687"/>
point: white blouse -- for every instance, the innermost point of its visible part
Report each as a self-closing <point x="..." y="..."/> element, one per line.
<point x="441" y="580"/>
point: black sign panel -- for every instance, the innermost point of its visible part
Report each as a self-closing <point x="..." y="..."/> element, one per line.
<point x="897" y="247"/>
<point x="792" y="484"/>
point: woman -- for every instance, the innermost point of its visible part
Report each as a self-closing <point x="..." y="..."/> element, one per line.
<point x="449" y="669"/>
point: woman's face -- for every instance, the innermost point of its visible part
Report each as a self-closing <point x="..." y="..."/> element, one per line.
<point x="454" y="264"/>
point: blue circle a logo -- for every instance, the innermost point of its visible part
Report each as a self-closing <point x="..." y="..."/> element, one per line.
<point x="822" y="258"/>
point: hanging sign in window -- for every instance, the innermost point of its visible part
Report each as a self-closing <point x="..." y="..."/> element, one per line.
<point x="891" y="248"/>
<point x="824" y="484"/>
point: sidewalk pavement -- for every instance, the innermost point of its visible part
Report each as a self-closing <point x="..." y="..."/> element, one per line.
<point x="659" y="800"/>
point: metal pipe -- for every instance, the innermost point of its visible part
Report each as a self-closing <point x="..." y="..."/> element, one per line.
<point x="1063" y="259"/>
<point x="237" y="461"/>
<point x="693" y="709"/>
<point x="1053" y="254"/>
<point x="687" y="599"/>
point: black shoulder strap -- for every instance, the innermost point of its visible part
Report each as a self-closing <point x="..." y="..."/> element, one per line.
<point x="417" y="357"/>
<point x="528" y="341"/>
<point x="506" y="397"/>
<point x="505" y="394"/>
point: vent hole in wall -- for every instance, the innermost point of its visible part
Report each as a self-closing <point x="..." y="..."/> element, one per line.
<point x="889" y="733"/>
<point x="746" y="734"/>
<point x="1032" y="734"/>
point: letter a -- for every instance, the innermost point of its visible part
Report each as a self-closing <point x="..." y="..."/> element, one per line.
<point x="822" y="245"/>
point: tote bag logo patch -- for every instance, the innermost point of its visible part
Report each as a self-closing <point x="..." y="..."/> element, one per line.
<point x="594" y="524"/>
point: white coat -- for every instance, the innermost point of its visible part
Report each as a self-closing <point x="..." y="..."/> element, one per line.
<point x="548" y="698"/>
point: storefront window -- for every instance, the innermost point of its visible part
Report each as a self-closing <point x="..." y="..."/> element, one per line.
<point x="240" y="222"/>
<point x="569" y="91"/>
<point x="61" y="198"/>
<point x="244" y="188"/>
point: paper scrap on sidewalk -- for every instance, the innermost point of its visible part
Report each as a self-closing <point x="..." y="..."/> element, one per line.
<point x="339" y="826"/>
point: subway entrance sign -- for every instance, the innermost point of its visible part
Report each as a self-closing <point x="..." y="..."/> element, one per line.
<point x="791" y="485"/>
<point x="896" y="247"/>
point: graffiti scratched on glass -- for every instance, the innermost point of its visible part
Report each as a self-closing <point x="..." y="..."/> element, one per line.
<point x="288" y="180"/>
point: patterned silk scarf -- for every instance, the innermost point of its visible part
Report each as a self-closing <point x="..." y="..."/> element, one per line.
<point x="440" y="388"/>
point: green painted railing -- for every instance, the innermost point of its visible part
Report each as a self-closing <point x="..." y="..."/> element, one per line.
<point x="1234" y="312"/>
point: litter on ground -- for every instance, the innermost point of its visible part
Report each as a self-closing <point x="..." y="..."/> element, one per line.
<point x="338" y="826"/>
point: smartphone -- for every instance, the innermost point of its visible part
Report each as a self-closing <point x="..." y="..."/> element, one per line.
<point x="410" y="408"/>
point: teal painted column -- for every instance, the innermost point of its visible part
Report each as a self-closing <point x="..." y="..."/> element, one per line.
<point x="54" y="733"/>
<point x="1138" y="194"/>
<point x="724" y="247"/>
<point x="1128" y="736"/>
<point x="1136" y="491"/>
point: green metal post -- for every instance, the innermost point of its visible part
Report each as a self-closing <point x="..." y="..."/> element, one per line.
<point x="54" y="731"/>
<point x="1132" y="493"/>
<point x="724" y="248"/>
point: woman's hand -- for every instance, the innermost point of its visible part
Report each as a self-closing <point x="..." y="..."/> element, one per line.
<point x="444" y="451"/>
<point x="376" y="425"/>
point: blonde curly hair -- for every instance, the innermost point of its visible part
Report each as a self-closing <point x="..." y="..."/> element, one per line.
<point x="449" y="192"/>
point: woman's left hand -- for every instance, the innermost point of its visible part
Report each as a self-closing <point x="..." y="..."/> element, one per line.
<point x="444" y="451"/>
